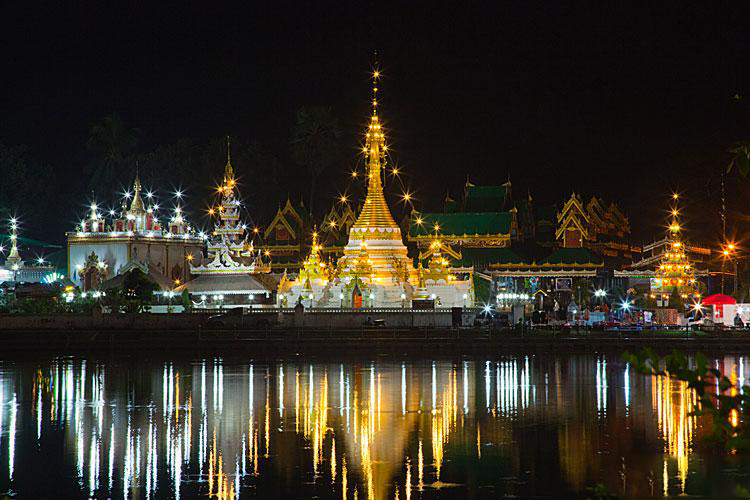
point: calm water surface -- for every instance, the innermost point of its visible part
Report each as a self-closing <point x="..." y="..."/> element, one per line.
<point x="386" y="428"/>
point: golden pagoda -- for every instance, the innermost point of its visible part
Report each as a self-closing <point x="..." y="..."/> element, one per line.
<point x="675" y="271"/>
<point x="375" y="235"/>
<point x="375" y="270"/>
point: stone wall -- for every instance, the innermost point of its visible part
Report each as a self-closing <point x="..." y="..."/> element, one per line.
<point x="284" y="318"/>
<point x="394" y="318"/>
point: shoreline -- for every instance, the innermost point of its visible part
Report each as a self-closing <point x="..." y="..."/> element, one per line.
<point x="372" y="340"/>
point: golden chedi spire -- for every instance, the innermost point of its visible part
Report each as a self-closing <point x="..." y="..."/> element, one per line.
<point x="375" y="213"/>
<point x="228" y="170"/>
<point x="136" y="206"/>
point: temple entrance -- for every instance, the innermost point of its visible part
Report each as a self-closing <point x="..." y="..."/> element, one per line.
<point x="356" y="298"/>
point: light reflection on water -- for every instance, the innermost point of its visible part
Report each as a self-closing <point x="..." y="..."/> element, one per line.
<point x="521" y="425"/>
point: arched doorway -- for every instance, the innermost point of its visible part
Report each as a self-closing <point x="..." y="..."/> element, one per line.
<point x="356" y="298"/>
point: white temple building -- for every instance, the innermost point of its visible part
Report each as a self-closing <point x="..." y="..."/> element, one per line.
<point x="101" y="247"/>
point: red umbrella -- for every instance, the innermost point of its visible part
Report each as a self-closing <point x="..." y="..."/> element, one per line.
<point x="718" y="299"/>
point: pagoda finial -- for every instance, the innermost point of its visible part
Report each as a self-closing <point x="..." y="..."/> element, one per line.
<point x="228" y="170"/>
<point x="375" y="78"/>
<point x="375" y="212"/>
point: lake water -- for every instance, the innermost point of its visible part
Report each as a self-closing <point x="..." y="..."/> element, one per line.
<point x="541" y="425"/>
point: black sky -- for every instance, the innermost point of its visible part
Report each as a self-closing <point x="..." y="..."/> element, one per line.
<point x="602" y="98"/>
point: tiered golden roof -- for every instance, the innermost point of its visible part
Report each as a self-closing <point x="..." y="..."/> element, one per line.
<point x="375" y="213"/>
<point x="675" y="269"/>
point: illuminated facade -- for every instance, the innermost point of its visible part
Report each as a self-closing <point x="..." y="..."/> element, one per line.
<point x="375" y="270"/>
<point x="102" y="245"/>
<point x="675" y="271"/>
<point x="230" y="275"/>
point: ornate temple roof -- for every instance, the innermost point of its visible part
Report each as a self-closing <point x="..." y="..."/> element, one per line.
<point x="228" y="285"/>
<point x="462" y="224"/>
<point x="485" y="198"/>
<point x="573" y="257"/>
<point x="481" y="257"/>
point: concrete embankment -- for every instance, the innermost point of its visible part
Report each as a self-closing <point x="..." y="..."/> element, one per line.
<point x="191" y="333"/>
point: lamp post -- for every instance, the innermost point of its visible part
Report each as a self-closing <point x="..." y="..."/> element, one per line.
<point x="729" y="252"/>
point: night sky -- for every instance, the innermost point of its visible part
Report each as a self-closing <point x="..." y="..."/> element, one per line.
<point x="601" y="98"/>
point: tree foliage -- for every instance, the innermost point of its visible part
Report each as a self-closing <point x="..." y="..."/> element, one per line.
<point x="740" y="159"/>
<point x="315" y="143"/>
<point x="134" y="295"/>
<point x="110" y="141"/>
<point x="21" y="193"/>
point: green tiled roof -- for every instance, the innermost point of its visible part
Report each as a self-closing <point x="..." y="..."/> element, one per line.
<point x="485" y="198"/>
<point x="482" y="257"/>
<point x="463" y="223"/>
<point x="572" y="256"/>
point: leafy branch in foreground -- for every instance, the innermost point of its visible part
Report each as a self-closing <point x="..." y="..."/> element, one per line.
<point x="728" y="407"/>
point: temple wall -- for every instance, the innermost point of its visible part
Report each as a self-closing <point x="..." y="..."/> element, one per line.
<point x="395" y="318"/>
<point x="165" y="256"/>
<point x="447" y="295"/>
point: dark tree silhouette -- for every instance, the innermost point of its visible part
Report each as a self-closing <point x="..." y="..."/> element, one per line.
<point x="110" y="142"/>
<point x="315" y="143"/>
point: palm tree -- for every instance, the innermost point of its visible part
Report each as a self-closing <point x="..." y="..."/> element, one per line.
<point x="314" y="143"/>
<point x="740" y="158"/>
<point x="110" y="141"/>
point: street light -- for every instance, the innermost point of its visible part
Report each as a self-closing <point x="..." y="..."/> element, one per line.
<point x="729" y="252"/>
